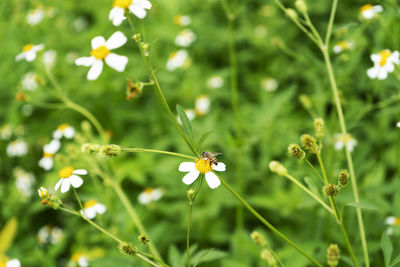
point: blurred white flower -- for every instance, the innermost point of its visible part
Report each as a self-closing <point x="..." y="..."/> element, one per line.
<point x="202" y="166"/>
<point x="30" y="81"/>
<point x="5" y="132"/>
<point x="35" y="16"/>
<point x="24" y="181"/>
<point x="64" y="130"/>
<point x="202" y="105"/>
<point x="398" y="124"/>
<point x="29" y="52"/>
<point x="269" y="84"/>
<point x="342" y="140"/>
<point x="50" y="234"/>
<point x="392" y="220"/>
<point x="80" y="23"/>
<point x="78" y="259"/>
<point x="185" y="38"/>
<point x="49" y="58"/>
<point x="178" y="59"/>
<point x="137" y="7"/>
<point x="43" y="192"/>
<point x="150" y="195"/>
<point x="6" y="262"/>
<point x="182" y="20"/>
<point x="91" y="208"/>
<point x="383" y="64"/>
<point x="69" y="177"/>
<point x="101" y="52"/>
<point x="46" y="162"/>
<point x="190" y="114"/>
<point x="17" y="148"/>
<point x="215" y="82"/>
<point x="369" y="11"/>
<point x="341" y="46"/>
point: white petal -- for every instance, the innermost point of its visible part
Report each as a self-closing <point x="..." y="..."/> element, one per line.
<point x="80" y="172"/>
<point x="157" y="194"/>
<point x="76" y="181"/>
<point x="220" y="167"/>
<point x="100" y="208"/>
<point x="58" y="184"/>
<point x="212" y="180"/>
<point x="382" y="74"/>
<point x="144" y="198"/>
<point x="37" y="48"/>
<point x="57" y="134"/>
<point x="98" y="41"/>
<point x="13" y="263"/>
<point x="85" y="61"/>
<point x="65" y="185"/>
<point x="143" y="4"/>
<point x="187" y="166"/>
<point x="90" y="212"/>
<point x="138" y="11"/>
<point x="117" y="15"/>
<point x="20" y="56"/>
<point x="116" y="40"/>
<point x="116" y="62"/>
<point x="46" y="163"/>
<point x="372" y="72"/>
<point x="30" y="55"/>
<point x="338" y="145"/>
<point x="95" y="70"/>
<point x="52" y="147"/>
<point x="69" y="132"/>
<point x="190" y="177"/>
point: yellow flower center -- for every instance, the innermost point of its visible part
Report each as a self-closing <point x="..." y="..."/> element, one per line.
<point x="177" y="19"/>
<point x="342" y="44"/>
<point x="148" y="190"/>
<point x="76" y="256"/>
<point x="90" y="203"/>
<point x="100" y="52"/>
<point x="385" y="54"/>
<point x="122" y="3"/>
<point x="396" y="221"/>
<point x="365" y="7"/>
<point x="27" y="47"/>
<point x="47" y="155"/>
<point x="62" y="127"/>
<point x="203" y="165"/>
<point x="345" y="138"/>
<point x="65" y="172"/>
<point x="172" y="55"/>
<point x="3" y="261"/>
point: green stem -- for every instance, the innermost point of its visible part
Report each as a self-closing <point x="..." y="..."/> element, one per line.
<point x="127" y="149"/>
<point x="330" y="24"/>
<point x="321" y="164"/>
<point x="147" y="260"/>
<point x="313" y="30"/>
<point x="312" y="167"/>
<point x="77" y="198"/>
<point x="267" y="224"/>
<point x="188" y="233"/>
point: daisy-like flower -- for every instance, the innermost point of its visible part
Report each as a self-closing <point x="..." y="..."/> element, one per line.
<point x="150" y="195"/>
<point x="185" y="38"/>
<point x="29" y="52"/>
<point x="46" y="162"/>
<point x="78" y="259"/>
<point x="6" y="262"/>
<point x="49" y="234"/>
<point x="342" y="140"/>
<point x="5" y="132"/>
<point x="17" y="148"/>
<point x="69" y="177"/>
<point x="182" y="20"/>
<point x="392" y="220"/>
<point x="369" y="11"/>
<point x="179" y="59"/>
<point x="24" y="181"/>
<point x="35" y="16"/>
<point x="30" y="81"/>
<point x="342" y="46"/>
<point x="269" y="84"/>
<point x="91" y="208"/>
<point x="383" y="64"/>
<point x="215" y="82"/>
<point x="49" y="58"/>
<point x="101" y="52"/>
<point x="202" y="105"/>
<point x="137" y="7"/>
<point x="64" y="130"/>
<point x="202" y="166"/>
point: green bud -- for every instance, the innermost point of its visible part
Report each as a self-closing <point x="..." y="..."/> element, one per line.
<point x="144" y="238"/>
<point x="291" y="13"/>
<point x="296" y="151"/>
<point x="190" y="194"/>
<point x="267" y="256"/>
<point x="305" y="101"/>
<point x="309" y="143"/>
<point x="258" y="238"/>
<point x="330" y="190"/>
<point x="90" y="148"/>
<point x="333" y="255"/>
<point x="278" y="168"/>
<point x="137" y="37"/>
<point x="301" y="6"/>
<point x="343" y="177"/>
<point x="319" y="127"/>
<point x="126" y="248"/>
<point x="110" y="151"/>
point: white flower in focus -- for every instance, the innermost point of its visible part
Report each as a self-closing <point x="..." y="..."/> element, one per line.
<point x="269" y="84"/>
<point x="392" y="220"/>
<point x="29" y="52"/>
<point x="91" y="208"/>
<point x="202" y="105"/>
<point x="182" y="20"/>
<point x="78" y="259"/>
<point x="5" y="132"/>
<point x="342" y="140"/>
<point x="137" y="7"/>
<point x="177" y="60"/>
<point x="64" y="130"/>
<point x="202" y="166"/>
<point x="69" y="177"/>
<point x="215" y="82"/>
<point x="342" y="46"/>
<point x="150" y="195"/>
<point x="30" y="81"/>
<point x="101" y="52"/>
<point x="383" y="64"/>
<point x="49" y="234"/>
<point x="24" y="181"/>
<point x="46" y="162"/>
<point x="35" y="16"/>
<point x="49" y="58"/>
<point x="185" y="38"/>
<point x="17" y="148"/>
<point x="6" y="262"/>
<point x="369" y="11"/>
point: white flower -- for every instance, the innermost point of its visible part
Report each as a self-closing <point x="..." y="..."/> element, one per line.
<point x="341" y="46"/>
<point x="383" y="64"/>
<point x="35" y="16"/>
<point x="398" y="124"/>
<point x="64" y="130"/>
<point x="269" y="84"/>
<point x="342" y="140"/>
<point x="369" y="11"/>
<point x="150" y="195"/>
<point x="49" y="234"/>
<point x="392" y="220"/>
<point x="215" y="82"/>
<point x="80" y="259"/>
<point x="389" y="231"/>
<point x="182" y="20"/>
<point x="101" y="52"/>
<point x="202" y="166"/>
<point x="17" y="148"/>
<point x="30" y="81"/>
<point x="6" y="262"/>
<point x="69" y="177"/>
<point x="5" y="132"/>
<point x="202" y="105"/>
<point x="29" y="52"/>
<point x="49" y="58"/>
<point x="24" y="181"/>
<point x="190" y="114"/>
<point x="185" y="38"/>
<point x="137" y="7"/>
<point x="178" y="59"/>
<point x="91" y="208"/>
<point x="46" y="162"/>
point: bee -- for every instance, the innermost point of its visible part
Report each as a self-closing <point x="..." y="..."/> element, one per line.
<point x="211" y="157"/>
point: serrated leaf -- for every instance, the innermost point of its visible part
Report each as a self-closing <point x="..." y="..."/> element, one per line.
<point x="187" y="127"/>
<point x="7" y="235"/>
<point x="395" y="261"/>
<point x="361" y="206"/>
<point x="204" y="137"/>
<point x="207" y="255"/>
<point x="387" y="248"/>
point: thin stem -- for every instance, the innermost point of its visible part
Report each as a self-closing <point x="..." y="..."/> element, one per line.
<point x="267" y="224"/>
<point x="330" y="24"/>
<point x="321" y="164"/>
<point x="77" y="198"/>
<point x="188" y="233"/>
<point x="317" y="172"/>
<point x="313" y="30"/>
<point x="147" y="260"/>
<point x="127" y="149"/>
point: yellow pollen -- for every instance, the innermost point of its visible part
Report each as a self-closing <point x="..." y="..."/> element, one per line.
<point x="396" y="221"/>
<point x="27" y="47"/>
<point x="385" y="54"/>
<point x="203" y="165"/>
<point x="65" y="172"/>
<point x="122" y="3"/>
<point x="172" y="55"/>
<point x="148" y="190"/>
<point x="76" y="256"/>
<point x="62" y="127"/>
<point x="100" y="52"/>
<point x="345" y="138"/>
<point x="365" y="7"/>
<point x="90" y="203"/>
<point x="342" y="44"/>
<point x="177" y="19"/>
<point x="47" y="155"/>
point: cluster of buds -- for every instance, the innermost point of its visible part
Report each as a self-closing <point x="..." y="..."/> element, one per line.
<point x="258" y="238"/>
<point x="268" y="257"/>
<point x="319" y="128"/>
<point x="332" y="190"/>
<point x="296" y="151"/>
<point x="48" y="199"/>
<point x="343" y="178"/>
<point x="107" y="151"/>
<point x="310" y="143"/>
<point x="333" y="255"/>
<point x="277" y="167"/>
<point x="127" y="248"/>
<point x="144" y="46"/>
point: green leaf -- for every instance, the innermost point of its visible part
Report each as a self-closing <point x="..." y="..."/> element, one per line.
<point x="203" y="138"/>
<point x="395" y="261"/>
<point x="187" y="127"/>
<point x="361" y="206"/>
<point x="311" y="185"/>
<point x="387" y="248"/>
<point x="207" y="255"/>
<point x="7" y="235"/>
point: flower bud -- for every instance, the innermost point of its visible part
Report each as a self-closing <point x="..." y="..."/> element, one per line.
<point x="146" y="47"/>
<point x="133" y="89"/>
<point x="144" y="238"/>
<point x="333" y="255"/>
<point x="301" y="6"/>
<point x="190" y="194"/>
<point x="90" y="148"/>
<point x="137" y="37"/>
<point x="305" y="101"/>
<point x="278" y="168"/>
<point x="267" y="256"/>
<point x="43" y="193"/>
<point x="291" y="13"/>
<point x="296" y="151"/>
<point x="343" y="177"/>
<point x="330" y="190"/>
<point x="258" y="238"/>
<point x="126" y="248"/>
<point x="309" y="143"/>
<point x="319" y="127"/>
<point x="110" y="151"/>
